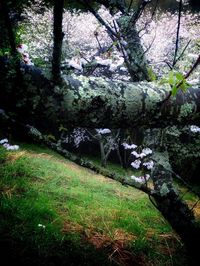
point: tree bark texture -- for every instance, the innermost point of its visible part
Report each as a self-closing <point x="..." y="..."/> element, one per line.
<point x="96" y="103"/>
<point x="135" y="55"/>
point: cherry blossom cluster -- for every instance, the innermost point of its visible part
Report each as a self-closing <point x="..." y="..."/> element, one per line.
<point x="7" y="146"/>
<point x="140" y="162"/>
<point x="77" y="136"/>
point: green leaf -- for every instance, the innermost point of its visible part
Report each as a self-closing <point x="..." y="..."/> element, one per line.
<point x="179" y="76"/>
<point x="171" y="78"/>
<point x="174" y="91"/>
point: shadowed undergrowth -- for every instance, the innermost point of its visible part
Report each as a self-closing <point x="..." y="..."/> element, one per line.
<point x="54" y="212"/>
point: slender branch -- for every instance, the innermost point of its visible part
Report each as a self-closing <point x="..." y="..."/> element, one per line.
<point x="184" y="49"/>
<point x="178" y="31"/>
<point x="99" y="18"/>
<point x="137" y="14"/>
<point x="130" y="5"/>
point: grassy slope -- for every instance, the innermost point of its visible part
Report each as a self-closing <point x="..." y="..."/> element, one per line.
<point x="88" y="219"/>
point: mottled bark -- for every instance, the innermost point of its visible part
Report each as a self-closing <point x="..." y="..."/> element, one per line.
<point x="175" y="210"/>
<point x="133" y="52"/>
<point x="135" y="55"/>
<point x="95" y="103"/>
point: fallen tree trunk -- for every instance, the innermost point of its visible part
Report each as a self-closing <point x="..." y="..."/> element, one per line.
<point x="95" y="102"/>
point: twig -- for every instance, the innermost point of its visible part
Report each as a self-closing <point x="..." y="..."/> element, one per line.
<point x="99" y="18"/>
<point x="129" y="7"/>
<point x="136" y="15"/>
<point x="195" y="204"/>
<point x="197" y="62"/>
<point x="182" y="52"/>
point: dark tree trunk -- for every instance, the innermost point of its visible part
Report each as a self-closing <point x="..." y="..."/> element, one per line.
<point x="7" y="28"/>
<point x="58" y="38"/>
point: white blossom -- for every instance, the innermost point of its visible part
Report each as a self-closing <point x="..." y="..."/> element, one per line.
<point x="76" y="63"/>
<point x="149" y="165"/>
<point x="136" y="164"/>
<point x="195" y="129"/>
<point x="140" y="179"/>
<point x="129" y="147"/>
<point x="7" y="146"/>
<point x="139" y="155"/>
<point x="3" y="141"/>
<point x="10" y="147"/>
<point x="135" y="154"/>
<point x="103" y="131"/>
<point x="147" y="151"/>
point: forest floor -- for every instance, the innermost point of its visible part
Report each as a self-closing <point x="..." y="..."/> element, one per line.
<point x="54" y="212"/>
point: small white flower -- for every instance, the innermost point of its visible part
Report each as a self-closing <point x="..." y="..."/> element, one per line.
<point x="6" y="145"/>
<point x="103" y="131"/>
<point x="195" y="129"/>
<point x="12" y="147"/>
<point x="41" y="225"/>
<point x="129" y="147"/>
<point x="142" y="155"/>
<point x="147" y="151"/>
<point x="3" y="141"/>
<point x="149" y="165"/>
<point x="76" y="63"/>
<point x="138" y="155"/>
<point x="136" y="164"/>
<point x="123" y="68"/>
<point x="135" y="154"/>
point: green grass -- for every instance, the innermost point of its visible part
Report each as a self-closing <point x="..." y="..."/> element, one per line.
<point x="88" y="219"/>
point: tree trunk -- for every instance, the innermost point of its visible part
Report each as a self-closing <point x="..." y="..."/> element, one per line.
<point x="135" y="55"/>
<point x="58" y="38"/>
<point x="7" y="34"/>
<point x="97" y="103"/>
